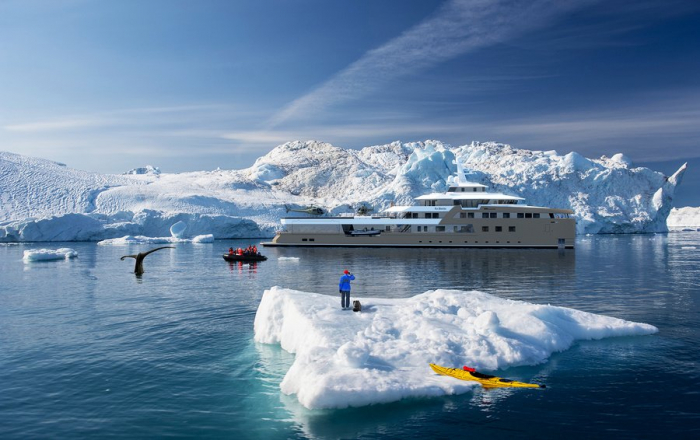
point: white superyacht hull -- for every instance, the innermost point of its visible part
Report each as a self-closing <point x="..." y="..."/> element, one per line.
<point x="450" y="231"/>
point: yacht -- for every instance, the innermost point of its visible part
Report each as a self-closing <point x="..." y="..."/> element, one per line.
<point x="467" y="215"/>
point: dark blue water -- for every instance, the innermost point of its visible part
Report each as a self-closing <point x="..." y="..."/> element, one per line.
<point x="89" y="350"/>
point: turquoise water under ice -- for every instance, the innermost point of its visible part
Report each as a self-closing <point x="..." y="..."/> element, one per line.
<point x="89" y="350"/>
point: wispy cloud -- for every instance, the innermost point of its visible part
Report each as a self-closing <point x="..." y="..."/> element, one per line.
<point x="640" y="126"/>
<point x="645" y="128"/>
<point x="456" y="28"/>
<point x="121" y="117"/>
<point x="53" y="125"/>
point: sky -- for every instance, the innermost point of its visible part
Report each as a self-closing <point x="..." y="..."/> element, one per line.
<point x="195" y="85"/>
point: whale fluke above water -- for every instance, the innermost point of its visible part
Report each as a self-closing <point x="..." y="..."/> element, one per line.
<point x="138" y="269"/>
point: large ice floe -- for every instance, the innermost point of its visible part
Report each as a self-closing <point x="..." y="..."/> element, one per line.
<point x="41" y="200"/>
<point x="381" y="354"/>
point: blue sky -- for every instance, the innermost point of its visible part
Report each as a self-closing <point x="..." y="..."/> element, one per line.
<point x="194" y="85"/>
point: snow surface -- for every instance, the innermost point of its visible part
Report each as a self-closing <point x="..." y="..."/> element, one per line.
<point x="41" y="200"/>
<point x="49" y="254"/>
<point x="684" y="219"/>
<point x="381" y="354"/>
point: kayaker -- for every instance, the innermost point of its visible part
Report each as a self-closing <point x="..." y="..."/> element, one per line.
<point x="344" y="288"/>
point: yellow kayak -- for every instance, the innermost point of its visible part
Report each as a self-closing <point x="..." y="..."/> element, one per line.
<point x="485" y="380"/>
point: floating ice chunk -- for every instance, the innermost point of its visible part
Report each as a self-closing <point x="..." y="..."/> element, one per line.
<point x="688" y="247"/>
<point x="140" y="239"/>
<point x="288" y="259"/>
<point x="49" y="254"/>
<point x="206" y="238"/>
<point x="178" y="229"/>
<point x="355" y="359"/>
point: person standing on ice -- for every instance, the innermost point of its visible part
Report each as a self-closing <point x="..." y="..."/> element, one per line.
<point x="344" y="288"/>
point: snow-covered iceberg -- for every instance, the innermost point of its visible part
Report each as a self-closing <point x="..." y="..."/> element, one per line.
<point x="382" y="353"/>
<point x="684" y="219"/>
<point x="42" y="200"/>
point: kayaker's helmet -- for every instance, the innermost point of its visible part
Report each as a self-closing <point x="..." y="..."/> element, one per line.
<point x="346" y="272"/>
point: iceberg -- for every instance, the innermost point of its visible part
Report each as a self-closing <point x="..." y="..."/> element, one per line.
<point x="381" y="354"/>
<point x="684" y="219"/>
<point x="607" y="195"/>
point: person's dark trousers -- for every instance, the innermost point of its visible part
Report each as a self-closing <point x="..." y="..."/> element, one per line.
<point x="344" y="298"/>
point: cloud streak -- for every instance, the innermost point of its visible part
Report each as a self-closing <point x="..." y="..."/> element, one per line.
<point x="456" y="28"/>
<point x="145" y="116"/>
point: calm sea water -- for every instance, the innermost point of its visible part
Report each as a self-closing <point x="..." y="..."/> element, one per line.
<point x="89" y="350"/>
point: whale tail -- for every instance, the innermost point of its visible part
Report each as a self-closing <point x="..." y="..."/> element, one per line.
<point x="138" y="268"/>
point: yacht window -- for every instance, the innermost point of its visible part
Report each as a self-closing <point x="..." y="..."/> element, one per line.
<point x="439" y="229"/>
<point x="468" y="228"/>
<point x="455" y="202"/>
<point x="536" y="215"/>
<point x="428" y="215"/>
<point x="506" y="215"/>
<point x="485" y="215"/>
<point x="528" y="215"/>
<point x="436" y="215"/>
<point x="493" y="215"/>
<point x="551" y="215"/>
<point x="462" y="215"/>
<point x="388" y="228"/>
<point x="474" y="190"/>
<point x="419" y="228"/>
<point x="499" y="229"/>
<point x="470" y="215"/>
<point x="521" y="215"/>
<point x="484" y="229"/>
<point x="415" y="215"/>
<point x="511" y="228"/>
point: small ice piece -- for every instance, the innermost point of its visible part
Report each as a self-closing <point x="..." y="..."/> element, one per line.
<point x="49" y="254"/>
<point x="288" y="259"/>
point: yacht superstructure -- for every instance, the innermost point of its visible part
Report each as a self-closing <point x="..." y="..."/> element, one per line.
<point x="467" y="215"/>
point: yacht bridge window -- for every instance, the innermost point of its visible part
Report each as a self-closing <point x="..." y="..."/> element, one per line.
<point x="465" y="203"/>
